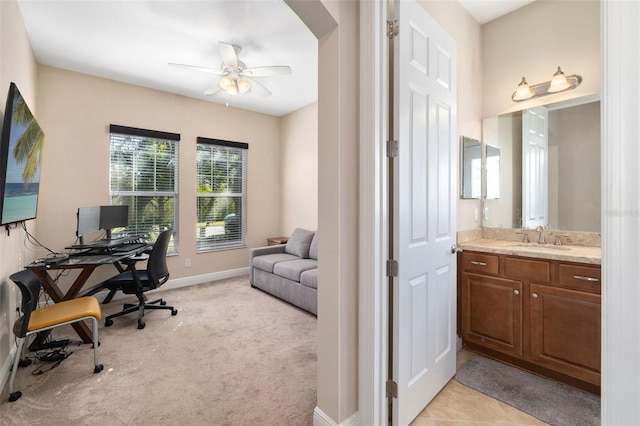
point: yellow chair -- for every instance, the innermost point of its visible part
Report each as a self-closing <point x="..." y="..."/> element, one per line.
<point x="34" y="320"/>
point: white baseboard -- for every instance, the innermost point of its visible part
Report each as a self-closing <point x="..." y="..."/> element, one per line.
<point x="320" y="418"/>
<point x="188" y="281"/>
<point x="205" y="278"/>
<point x="6" y="365"/>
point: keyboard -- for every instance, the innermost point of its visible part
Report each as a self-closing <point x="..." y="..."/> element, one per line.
<point x="125" y="248"/>
<point x="94" y="259"/>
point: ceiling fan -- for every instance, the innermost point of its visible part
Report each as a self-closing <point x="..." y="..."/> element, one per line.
<point x="236" y="77"/>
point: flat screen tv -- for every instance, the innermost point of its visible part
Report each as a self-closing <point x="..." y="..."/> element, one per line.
<point x="20" y="158"/>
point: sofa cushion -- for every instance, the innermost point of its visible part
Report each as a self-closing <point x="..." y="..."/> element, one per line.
<point x="267" y="261"/>
<point x="293" y="268"/>
<point x="299" y="243"/>
<point x="313" y="249"/>
<point x="309" y="278"/>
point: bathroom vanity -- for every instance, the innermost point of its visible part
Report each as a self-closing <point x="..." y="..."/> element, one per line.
<point x="533" y="306"/>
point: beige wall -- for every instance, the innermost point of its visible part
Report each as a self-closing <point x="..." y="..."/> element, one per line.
<point x="338" y="214"/>
<point x="532" y="42"/>
<point x="17" y="65"/>
<point x="467" y="34"/>
<point x="75" y="111"/>
<point x="300" y="170"/>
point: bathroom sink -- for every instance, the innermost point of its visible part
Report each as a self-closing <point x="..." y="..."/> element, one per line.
<point x="543" y="247"/>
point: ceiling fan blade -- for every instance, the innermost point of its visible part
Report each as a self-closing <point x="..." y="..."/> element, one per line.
<point x="267" y="71"/>
<point x="259" y="88"/>
<point x="228" y="53"/>
<point x="215" y="88"/>
<point x="197" y="68"/>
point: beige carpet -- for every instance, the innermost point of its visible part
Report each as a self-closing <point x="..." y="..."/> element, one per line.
<point x="232" y="356"/>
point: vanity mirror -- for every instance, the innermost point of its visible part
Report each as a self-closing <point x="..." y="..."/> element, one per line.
<point x="492" y="172"/>
<point x="471" y="167"/>
<point x="557" y="184"/>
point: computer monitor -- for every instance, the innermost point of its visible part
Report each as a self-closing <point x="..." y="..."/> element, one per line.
<point x="88" y="221"/>
<point x="111" y="217"/>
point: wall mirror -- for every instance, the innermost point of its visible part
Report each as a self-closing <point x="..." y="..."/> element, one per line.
<point x="492" y="172"/>
<point x="471" y="168"/>
<point x="558" y="186"/>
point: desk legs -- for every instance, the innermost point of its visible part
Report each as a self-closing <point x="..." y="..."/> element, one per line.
<point x="56" y="294"/>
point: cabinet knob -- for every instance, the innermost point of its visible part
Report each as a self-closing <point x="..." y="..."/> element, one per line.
<point x="516" y="292"/>
<point x="534" y="295"/>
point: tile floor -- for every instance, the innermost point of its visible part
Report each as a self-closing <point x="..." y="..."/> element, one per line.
<point x="457" y="404"/>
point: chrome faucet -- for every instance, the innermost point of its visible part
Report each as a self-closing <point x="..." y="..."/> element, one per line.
<point x="541" y="240"/>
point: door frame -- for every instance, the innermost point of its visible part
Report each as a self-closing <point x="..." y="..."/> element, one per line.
<point x="373" y="246"/>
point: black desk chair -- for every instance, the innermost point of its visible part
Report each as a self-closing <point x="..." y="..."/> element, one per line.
<point x="35" y="320"/>
<point x="133" y="281"/>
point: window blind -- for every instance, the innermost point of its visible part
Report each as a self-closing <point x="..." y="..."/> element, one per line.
<point x="143" y="175"/>
<point x="221" y="194"/>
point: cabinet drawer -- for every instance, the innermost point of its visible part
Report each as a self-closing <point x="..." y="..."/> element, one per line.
<point x="578" y="277"/>
<point x="480" y="262"/>
<point x="531" y="270"/>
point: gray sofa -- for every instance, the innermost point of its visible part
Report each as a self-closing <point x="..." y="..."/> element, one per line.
<point x="288" y="271"/>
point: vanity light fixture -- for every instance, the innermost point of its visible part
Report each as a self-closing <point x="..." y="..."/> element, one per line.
<point x="559" y="83"/>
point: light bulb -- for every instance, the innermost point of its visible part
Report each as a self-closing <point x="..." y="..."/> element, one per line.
<point x="226" y="83"/>
<point x="558" y="82"/>
<point x="523" y="91"/>
<point x="243" y="85"/>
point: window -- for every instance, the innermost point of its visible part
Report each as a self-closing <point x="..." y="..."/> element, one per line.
<point x="221" y="180"/>
<point x="143" y="175"/>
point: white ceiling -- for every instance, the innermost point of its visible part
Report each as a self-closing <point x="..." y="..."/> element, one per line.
<point x="487" y="10"/>
<point x="133" y="41"/>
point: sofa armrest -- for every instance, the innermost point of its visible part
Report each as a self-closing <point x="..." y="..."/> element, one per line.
<point x="260" y="251"/>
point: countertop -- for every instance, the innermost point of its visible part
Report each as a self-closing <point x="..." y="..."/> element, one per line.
<point x="569" y="253"/>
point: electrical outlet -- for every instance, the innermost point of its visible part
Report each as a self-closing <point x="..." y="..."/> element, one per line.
<point x="187" y="263"/>
<point x="476" y="213"/>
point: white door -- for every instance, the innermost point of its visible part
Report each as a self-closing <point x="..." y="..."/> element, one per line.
<point x="424" y="328"/>
<point x="535" y="168"/>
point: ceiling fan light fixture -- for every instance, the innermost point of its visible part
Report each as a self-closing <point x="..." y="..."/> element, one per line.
<point x="226" y="83"/>
<point x="243" y="85"/>
<point x="235" y="77"/>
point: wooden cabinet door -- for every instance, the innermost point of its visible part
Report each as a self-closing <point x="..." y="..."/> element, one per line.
<point x="565" y="331"/>
<point x="492" y="312"/>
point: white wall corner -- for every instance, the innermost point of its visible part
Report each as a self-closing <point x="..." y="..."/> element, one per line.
<point x="320" y="418"/>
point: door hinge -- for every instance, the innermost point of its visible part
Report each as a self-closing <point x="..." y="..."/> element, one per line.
<point x="392" y="149"/>
<point x="392" y="268"/>
<point x="392" y="389"/>
<point x="392" y="29"/>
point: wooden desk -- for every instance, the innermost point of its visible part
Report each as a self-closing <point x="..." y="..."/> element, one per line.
<point x="87" y="264"/>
